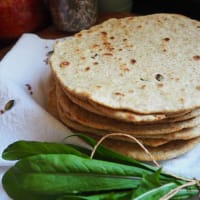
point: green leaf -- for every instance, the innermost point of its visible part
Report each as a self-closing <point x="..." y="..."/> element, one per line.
<point x="148" y="182"/>
<point x="54" y="184"/>
<point x="22" y="149"/>
<point x="15" y="191"/>
<point x="56" y="174"/>
<point x="72" y="163"/>
<point x="156" y="193"/>
<point x="105" y="196"/>
<point x="73" y="197"/>
<point x="49" y="171"/>
<point x="105" y="153"/>
<point x="151" y="187"/>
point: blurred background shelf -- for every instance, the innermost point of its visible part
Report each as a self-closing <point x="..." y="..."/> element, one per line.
<point x="190" y="8"/>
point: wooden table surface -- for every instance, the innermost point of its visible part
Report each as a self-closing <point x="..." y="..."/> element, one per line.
<point x="51" y="33"/>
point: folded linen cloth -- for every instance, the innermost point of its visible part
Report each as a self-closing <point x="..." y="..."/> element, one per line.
<point x="24" y="78"/>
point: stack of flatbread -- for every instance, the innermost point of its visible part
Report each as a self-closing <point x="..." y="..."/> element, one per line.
<point x="136" y="75"/>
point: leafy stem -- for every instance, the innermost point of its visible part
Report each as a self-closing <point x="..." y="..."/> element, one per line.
<point x="65" y="171"/>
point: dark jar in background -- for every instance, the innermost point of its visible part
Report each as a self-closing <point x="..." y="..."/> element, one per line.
<point x="73" y="15"/>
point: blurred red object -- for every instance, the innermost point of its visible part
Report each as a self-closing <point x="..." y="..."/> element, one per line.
<point x="20" y="16"/>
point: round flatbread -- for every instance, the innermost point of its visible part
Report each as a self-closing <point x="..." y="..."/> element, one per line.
<point x="130" y="116"/>
<point x="51" y="101"/>
<point x="77" y="127"/>
<point x="143" y="64"/>
<point x="167" y="151"/>
<point x="153" y="142"/>
<point x="92" y="120"/>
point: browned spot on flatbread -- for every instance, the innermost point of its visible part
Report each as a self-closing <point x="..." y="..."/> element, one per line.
<point x="95" y="45"/>
<point x="160" y="85"/>
<point x="196" y="57"/>
<point x="133" y="61"/>
<point x="198" y="87"/>
<point x="64" y="64"/>
<point x="182" y="100"/>
<point x="143" y="87"/>
<point x="108" y="54"/>
<point x="79" y="35"/>
<point x="119" y="94"/>
<point x="87" y="68"/>
<point x="104" y="33"/>
<point x="107" y="43"/>
<point x="166" y="39"/>
<point x="131" y="91"/>
<point x="124" y="68"/>
<point x="98" y="86"/>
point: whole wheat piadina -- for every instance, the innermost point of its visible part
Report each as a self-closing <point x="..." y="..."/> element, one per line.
<point x="137" y="76"/>
<point x="156" y="140"/>
<point x="103" y="123"/>
<point x="130" y="116"/>
<point x="182" y="135"/>
<point x="147" y="64"/>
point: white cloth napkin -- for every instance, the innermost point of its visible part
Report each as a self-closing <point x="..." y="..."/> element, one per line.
<point x="24" y="67"/>
<point x="28" y="118"/>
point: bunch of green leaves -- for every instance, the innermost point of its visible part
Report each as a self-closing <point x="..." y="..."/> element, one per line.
<point x="56" y="171"/>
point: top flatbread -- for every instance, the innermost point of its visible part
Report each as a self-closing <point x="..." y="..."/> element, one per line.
<point x="146" y="64"/>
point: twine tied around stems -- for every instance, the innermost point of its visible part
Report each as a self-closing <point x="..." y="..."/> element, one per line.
<point x="128" y="136"/>
<point x="170" y="194"/>
<point x="173" y="192"/>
